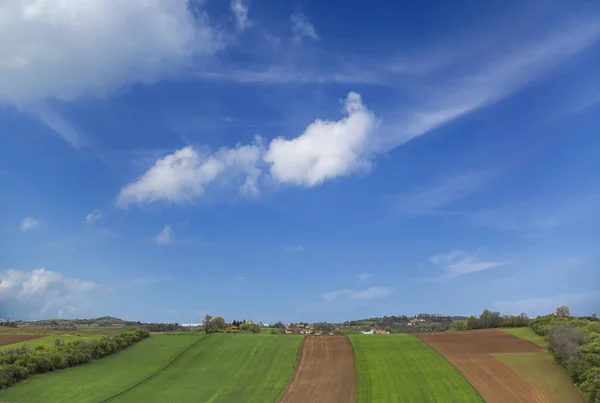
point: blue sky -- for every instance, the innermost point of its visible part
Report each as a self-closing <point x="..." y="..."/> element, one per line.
<point x="298" y="161"/>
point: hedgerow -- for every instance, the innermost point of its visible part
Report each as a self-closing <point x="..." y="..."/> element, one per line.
<point x="19" y="363"/>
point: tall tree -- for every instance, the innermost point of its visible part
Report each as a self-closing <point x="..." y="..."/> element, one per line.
<point x="207" y="322"/>
<point x="563" y="312"/>
<point x="218" y="324"/>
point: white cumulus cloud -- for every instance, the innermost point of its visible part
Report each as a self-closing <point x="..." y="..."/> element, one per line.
<point x="326" y="149"/>
<point x="65" y="49"/>
<point x="28" y="223"/>
<point x="42" y="292"/>
<point x="186" y="173"/>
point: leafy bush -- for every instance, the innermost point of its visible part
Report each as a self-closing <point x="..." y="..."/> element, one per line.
<point x="575" y="345"/>
<point x="19" y="363"/>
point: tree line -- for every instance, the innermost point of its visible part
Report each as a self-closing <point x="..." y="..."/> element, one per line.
<point x="490" y="320"/>
<point x="574" y="342"/>
<point x="218" y="325"/>
<point x="18" y="364"/>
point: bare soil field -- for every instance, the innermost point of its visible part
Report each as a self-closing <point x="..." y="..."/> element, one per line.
<point x="6" y="339"/>
<point x="471" y="353"/>
<point x="326" y="372"/>
<point x="42" y="330"/>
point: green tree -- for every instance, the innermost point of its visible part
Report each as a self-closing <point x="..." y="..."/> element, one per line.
<point x="218" y="324"/>
<point x="563" y="312"/>
<point x="473" y="323"/>
<point x="207" y="322"/>
<point x="490" y="319"/>
<point x="459" y="325"/>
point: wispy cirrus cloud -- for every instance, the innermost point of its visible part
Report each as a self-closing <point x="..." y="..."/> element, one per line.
<point x="302" y="27"/>
<point x="486" y="81"/>
<point x="548" y="304"/>
<point x="240" y="9"/>
<point x="364" y="276"/>
<point x="458" y="263"/>
<point x="366" y="294"/>
<point x="538" y="215"/>
<point x="165" y="237"/>
<point x="93" y="216"/>
<point x="432" y="199"/>
<point x="295" y="248"/>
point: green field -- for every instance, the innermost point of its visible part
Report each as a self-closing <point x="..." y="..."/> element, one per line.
<point x="225" y="368"/>
<point x="401" y="368"/>
<point x="50" y="340"/>
<point x="542" y="372"/>
<point x="527" y="334"/>
<point x="174" y="368"/>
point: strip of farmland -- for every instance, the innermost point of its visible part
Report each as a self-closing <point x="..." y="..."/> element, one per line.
<point x="470" y="352"/>
<point x="326" y="372"/>
<point x="8" y="339"/>
<point x="401" y="368"/>
<point x="224" y="368"/>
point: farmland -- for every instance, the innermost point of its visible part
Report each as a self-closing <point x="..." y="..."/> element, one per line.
<point x="471" y="353"/>
<point x="401" y="368"/>
<point x="325" y="372"/>
<point x="9" y="340"/>
<point x="540" y="371"/>
<point x="41" y="339"/>
<point x="527" y="334"/>
<point x="253" y="368"/>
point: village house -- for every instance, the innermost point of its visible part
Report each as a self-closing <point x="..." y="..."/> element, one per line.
<point x="375" y="331"/>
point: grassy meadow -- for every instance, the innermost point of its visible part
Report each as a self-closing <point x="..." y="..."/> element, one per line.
<point x="542" y="372"/>
<point x="527" y="334"/>
<point x="50" y="340"/>
<point x="401" y="368"/>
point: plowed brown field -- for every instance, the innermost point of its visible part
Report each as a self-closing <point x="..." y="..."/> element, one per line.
<point x="470" y="352"/>
<point x="6" y="339"/>
<point x="326" y="372"/>
<point x="53" y="331"/>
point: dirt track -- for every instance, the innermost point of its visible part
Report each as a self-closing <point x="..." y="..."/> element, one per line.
<point x="6" y="339"/>
<point x="326" y="372"/>
<point x="470" y="353"/>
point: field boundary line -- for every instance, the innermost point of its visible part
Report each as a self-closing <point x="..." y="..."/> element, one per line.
<point x="298" y="352"/>
<point x="149" y="377"/>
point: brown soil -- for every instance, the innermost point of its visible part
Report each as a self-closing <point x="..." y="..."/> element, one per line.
<point x="326" y="372"/>
<point x="6" y="339"/>
<point x="53" y="331"/>
<point x="470" y="352"/>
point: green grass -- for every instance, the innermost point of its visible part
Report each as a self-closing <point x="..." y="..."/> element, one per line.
<point x="224" y="368"/>
<point x="402" y="368"/>
<point x="527" y="334"/>
<point x="101" y="379"/>
<point x="51" y="340"/>
<point x="174" y="368"/>
<point x="540" y="371"/>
